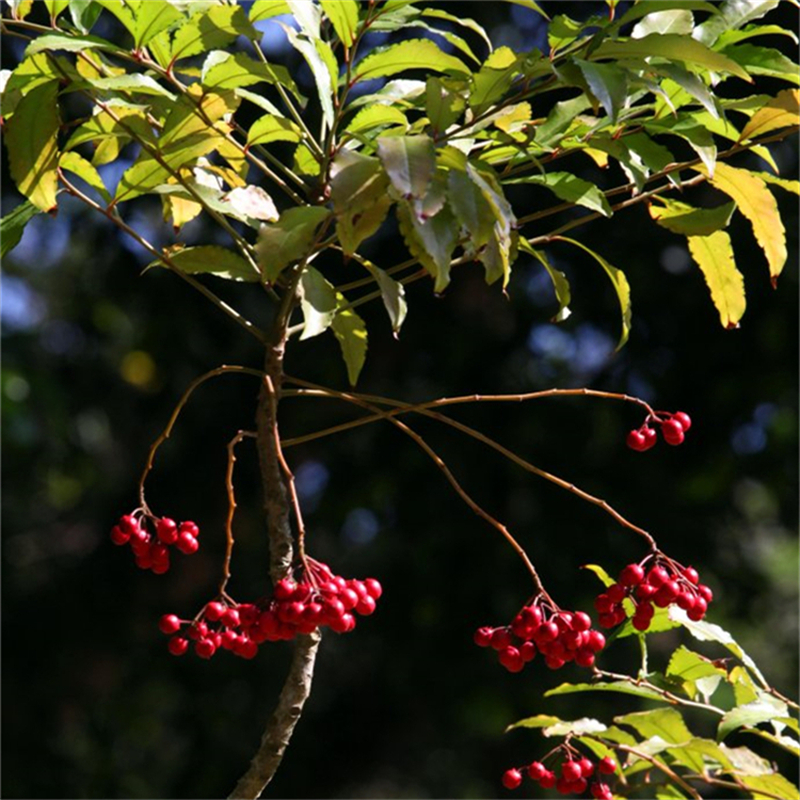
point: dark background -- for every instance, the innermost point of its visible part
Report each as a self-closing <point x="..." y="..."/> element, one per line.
<point x="94" y="358"/>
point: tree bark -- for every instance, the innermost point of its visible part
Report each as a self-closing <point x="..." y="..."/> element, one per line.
<point x="297" y="686"/>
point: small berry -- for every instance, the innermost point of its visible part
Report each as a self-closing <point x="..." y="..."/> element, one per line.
<point x="683" y="419"/>
<point x="587" y="768"/>
<point x="698" y="611"/>
<point x="548" y="780"/>
<point x="607" y="765"/>
<point x="284" y="589"/>
<point x="205" y="648"/>
<point x="512" y="778"/>
<point x="189" y="527"/>
<point x="120" y="536"/>
<point x="374" y="588"/>
<point x="581" y="621"/>
<point x="657" y="576"/>
<point x="167" y="530"/>
<point x="187" y="543"/>
<point x="672" y="431"/>
<point x="632" y="575"/>
<point x="230" y="618"/>
<point x="483" y="637"/>
<point x="636" y="441"/>
<point x="214" y="611"/>
<point x="365" y="606"/>
<point x="596" y="641"/>
<point x="169" y="624"/>
<point x="177" y="645"/>
<point x="650" y="438"/>
<point x="690" y="573"/>
<point x="129" y="524"/>
<point x="537" y="770"/>
<point x="571" y="770"/>
<point x="527" y="651"/>
<point x="501" y="639"/>
<point x="705" y="593"/>
<point x="584" y="657"/>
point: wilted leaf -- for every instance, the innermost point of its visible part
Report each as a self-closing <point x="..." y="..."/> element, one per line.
<point x="252" y="201"/>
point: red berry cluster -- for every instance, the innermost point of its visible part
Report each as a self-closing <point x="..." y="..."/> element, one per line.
<point x="560" y="636"/>
<point x="665" y="582"/>
<point x="318" y="599"/>
<point x="576" y="770"/>
<point x="151" y="550"/>
<point x="673" y="429"/>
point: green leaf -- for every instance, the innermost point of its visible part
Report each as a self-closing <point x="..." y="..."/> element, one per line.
<point x="618" y="280"/>
<point x="31" y="137"/>
<point x="710" y="632"/>
<point x="529" y="4"/>
<point x="561" y="116"/>
<point x="731" y="15"/>
<point x="685" y="219"/>
<point x="783" y="111"/>
<point x="771" y="786"/>
<point x="72" y="44"/>
<point x="351" y="332"/>
<point x="210" y="260"/>
<point x="570" y="188"/>
<point x="553" y="726"/>
<point x="269" y="129"/>
<point x="443" y="106"/>
<point x="666" y="723"/>
<point x="539" y="721"/>
<point x="135" y="83"/>
<point x="375" y="118"/>
<point x="745" y="762"/>
<point x="465" y="22"/>
<point x="690" y="666"/>
<point x="422" y="54"/>
<point x="12" y="225"/>
<point x="410" y="163"/>
<point x="343" y="15"/>
<point x="152" y="18"/>
<point x="393" y="295"/>
<point x="563" y="31"/>
<point x="494" y="78"/>
<point x="697" y="753"/>
<point x="674" y="20"/>
<point x="696" y="134"/>
<point x="110" y="134"/>
<point x="320" y="69"/>
<point x="210" y="30"/>
<point x="670" y="46"/>
<point x="288" y="240"/>
<point x="318" y="302"/>
<point x="757" y="203"/>
<point x="604" y="577"/>
<point x="55" y="7"/>
<point x="764" y="61"/>
<point x="765" y="709"/>
<point x="223" y="70"/>
<point x="472" y="209"/>
<point x="560" y="285"/>
<point x="620" y="687"/>
<point x="714" y="255"/>
<point x="77" y="164"/>
<point x="691" y="84"/>
<point x="729" y="37"/>
<point x="266" y="9"/>
<point x="84" y="14"/>
<point x="431" y="242"/>
<point x="608" y="83"/>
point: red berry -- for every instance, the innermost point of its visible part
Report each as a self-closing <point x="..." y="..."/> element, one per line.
<point x="483" y="637"/>
<point x="603" y="603"/>
<point x="632" y="575"/>
<point x="197" y="630"/>
<point x="169" y="624"/>
<point x="635" y="440"/>
<point x="587" y="768"/>
<point x="205" y="648"/>
<point x="284" y="588"/>
<point x="537" y="770"/>
<point x="554" y="662"/>
<point x="119" y="536"/>
<point x="365" y="606"/>
<point x="584" y="657"/>
<point x="374" y="589"/>
<point x="140" y="543"/>
<point x="600" y="791"/>
<point x="129" y="524"/>
<point x="349" y="598"/>
<point x="571" y="770"/>
<point x="690" y="573"/>
<point x="650" y="438"/>
<point x="501" y="638"/>
<point x="548" y="780"/>
<point x="641" y="623"/>
<point x="645" y="591"/>
<point x="189" y="527"/>
<point x="144" y="561"/>
<point x="616" y="593"/>
<point x="177" y="645"/>
<point x="512" y="778"/>
<point x="607" y="765"/>
<point x="581" y="621"/>
<point x="511" y="659"/>
<point x="698" y="611"/>
<point x="686" y="600"/>
<point x="167" y="530"/>
<point x="187" y="543"/>
<point x="705" y="593"/>
<point x="214" y="611"/>
<point x="230" y="619"/>
<point x="527" y="651"/>
<point x="672" y="432"/>
<point x="579" y="786"/>
<point x="596" y="641"/>
<point x="657" y="576"/>
<point x="607" y="620"/>
<point x="683" y="419"/>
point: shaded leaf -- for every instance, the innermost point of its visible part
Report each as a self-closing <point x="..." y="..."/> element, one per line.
<point x="714" y="255"/>
<point x="560" y="285"/>
<point x="465" y="22"/>
<point x="731" y="15"/>
<point x="288" y="240"/>
<point x="431" y="242"/>
<point x="410" y="54"/>
<point x="608" y="83"/>
<point x="570" y="188"/>
<point x="443" y="106"/>
<point x="211" y="260"/>
<point x="410" y="163"/>
<point x="31" y="137"/>
<point x="685" y="219"/>
<point x="393" y="295"/>
<point x="323" y="80"/>
<point x="318" y="302"/>
<point x="758" y="204"/>
<point x="764" y="61"/>
<point x="618" y="280"/>
<point x="12" y="225"/>
<point x="529" y="4"/>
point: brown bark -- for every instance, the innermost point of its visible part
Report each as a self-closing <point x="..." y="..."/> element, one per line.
<point x="297" y="686"/>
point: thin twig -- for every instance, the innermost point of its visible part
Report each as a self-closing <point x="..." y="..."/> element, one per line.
<point x="226" y="568"/>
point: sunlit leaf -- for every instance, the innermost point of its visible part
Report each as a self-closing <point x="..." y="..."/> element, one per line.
<point x="343" y="15"/>
<point x="31" y="137"/>
<point x="151" y="18"/>
<point x="757" y="203"/>
<point x="783" y="111"/>
<point x="620" y="687"/>
<point x="273" y="129"/>
<point x="318" y="303"/>
<point x="764" y="709"/>
<point x="618" y="280"/>
<point x="673" y="20"/>
<point x="351" y="332"/>
<point x="223" y="70"/>
<point x="77" y="164"/>
<point x="731" y="15"/>
<point x="411" y="54"/>
<point x="768" y="787"/>
<point x="666" y="723"/>
<point x="714" y="255"/>
<point x="211" y="260"/>
<point x="466" y="22"/>
<point x="323" y="79"/>
<point x="133" y="83"/>
<point x="784" y="183"/>
<point x="253" y="202"/>
<point x="494" y="78"/>
<point x="569" y="187"/>
<point x="265" y="9"/>
<point x="210" y="30"/>
<point x="72" y="44"/>
<point x="685" y="219"/>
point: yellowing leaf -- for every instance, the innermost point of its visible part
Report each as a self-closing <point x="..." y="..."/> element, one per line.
<point x="783" y="111"/>
<point x="32" y="141"/>
<point x="714" y="255"/>
<point x="758" y="204"/>
<point x="351" y="332"/>
<point x="73" y="162"/>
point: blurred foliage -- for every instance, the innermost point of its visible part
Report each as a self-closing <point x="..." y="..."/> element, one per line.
<point x="95" y="355"/>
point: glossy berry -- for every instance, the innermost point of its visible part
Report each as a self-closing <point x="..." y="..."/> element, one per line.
<point x="177" y="645"/>
<point x="167" y="530"/>
<point x="632" y="575"/>
<point x="587" y="768"/>
<point x="205" y="648"/>
<point x="636" y="441"/>
<point x="607" y="765"/>
<point x="120" y="536"/>
<point x="187" y="543"/>
<point x="512" y="778"/>
<point x="169" y="624"/>
<point x="537" y="770"/>
<point x="683" y="419"/>
<point x="672" y="431"/>
<point x="571" y="770"/>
